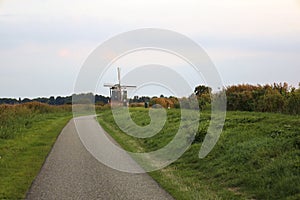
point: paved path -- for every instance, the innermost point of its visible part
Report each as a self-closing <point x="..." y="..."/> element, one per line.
<point x="71" y="172"/>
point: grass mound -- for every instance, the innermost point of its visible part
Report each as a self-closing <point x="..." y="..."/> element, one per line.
<point x="256" y="157"/>
<point x="27" y="133"/>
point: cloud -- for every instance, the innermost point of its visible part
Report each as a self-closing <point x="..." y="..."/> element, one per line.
<point x="246" y="39"/>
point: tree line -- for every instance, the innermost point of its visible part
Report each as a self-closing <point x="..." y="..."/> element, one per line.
<point x="281" y="98"/>
<point x="59" y="100"/>
<point x="277" y="97"/>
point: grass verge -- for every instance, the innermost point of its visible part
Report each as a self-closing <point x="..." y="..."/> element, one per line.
<point x="23" y="153"/>
<point x="256" y="157"/>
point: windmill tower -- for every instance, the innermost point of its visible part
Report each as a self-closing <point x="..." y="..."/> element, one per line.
<point x="118" y="92"/>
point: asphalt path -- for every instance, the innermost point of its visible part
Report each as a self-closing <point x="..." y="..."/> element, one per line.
<point x="71" y="172"/>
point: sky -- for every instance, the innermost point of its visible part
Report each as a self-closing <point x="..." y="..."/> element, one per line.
<point x="43" y="43"/>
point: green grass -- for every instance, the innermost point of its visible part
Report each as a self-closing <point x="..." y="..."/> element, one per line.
<point x="256" y="157"/>
<point x="24" y="145"/>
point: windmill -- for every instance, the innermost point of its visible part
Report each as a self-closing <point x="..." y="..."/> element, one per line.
<point x="118" y="92"/>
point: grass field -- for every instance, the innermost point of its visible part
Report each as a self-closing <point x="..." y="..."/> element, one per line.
<point x="27" y="133"/>
<point x="256" y="157"/>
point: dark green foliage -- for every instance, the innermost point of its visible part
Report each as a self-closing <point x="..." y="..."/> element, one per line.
<point x="293" y="103"/>
<point x="202" y="90"/>
<point x="82" y="98"/>
<point x="280" y="98"/>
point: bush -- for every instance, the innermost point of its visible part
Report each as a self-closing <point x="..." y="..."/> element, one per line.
<point x="280" y="98"/>
<point x="15" y="118"/>
<point x="293" y="103"/>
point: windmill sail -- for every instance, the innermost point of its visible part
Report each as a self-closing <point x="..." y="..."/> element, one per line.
<point x="118" y="92"/>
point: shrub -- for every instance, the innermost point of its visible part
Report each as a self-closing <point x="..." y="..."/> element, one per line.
<point x="15" y="118"/>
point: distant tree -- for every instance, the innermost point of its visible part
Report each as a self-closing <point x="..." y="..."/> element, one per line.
<point x="41" y="99"/>
<point x="203" y="94"/>
<point x="84" y="101"/>
<point x="273" y="101"/>
<point x="26" y="100"/>
<point x="101" y="99"/>
<point x="136" y="99"/>
<point x="293" y="102"/>
<point x="266" y="98"/>
<point x="51" y="100"/>
<point x="8" y="101"/>
<point x="202" y="89"/>
<point x="59" y="101"/>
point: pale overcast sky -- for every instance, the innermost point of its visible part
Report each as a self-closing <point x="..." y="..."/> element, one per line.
<point x="43" y="43"/>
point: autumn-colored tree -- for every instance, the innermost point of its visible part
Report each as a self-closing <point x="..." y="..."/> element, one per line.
<point x="163" y="101"/>
<point x="267" y="98"/>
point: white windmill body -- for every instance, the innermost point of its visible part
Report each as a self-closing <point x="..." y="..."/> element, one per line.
<point x="118" y="92"/>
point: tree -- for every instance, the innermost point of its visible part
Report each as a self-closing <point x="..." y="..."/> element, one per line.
<point x="293" y="103"/>
<point x="202" y="89"/>
<point x="51" y="100"/>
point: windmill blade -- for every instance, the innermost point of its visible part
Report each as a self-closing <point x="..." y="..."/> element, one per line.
<point x="108" y="85"/>
<point x="128" y="86"/>
<point x="119" y="76"/>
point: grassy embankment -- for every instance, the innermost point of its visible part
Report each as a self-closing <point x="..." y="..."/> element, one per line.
<point x="256" y="157"/>
<point x="27" y="133"/>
